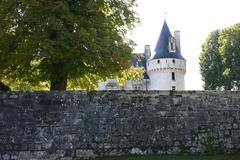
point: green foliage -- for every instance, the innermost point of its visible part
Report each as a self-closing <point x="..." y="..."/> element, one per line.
<point x="19" y="85"/>
<point x="230" y="51"/>
<point x="131" y="73"/>
<point x="220" y="59"/>
<point x="211" y="66"/>
<point x="55" y="41"/>
<point x="87" y="82"/>
<point x="90" y="81"/>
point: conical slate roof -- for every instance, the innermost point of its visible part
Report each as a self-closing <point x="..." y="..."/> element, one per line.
<point x="162" y="49"/>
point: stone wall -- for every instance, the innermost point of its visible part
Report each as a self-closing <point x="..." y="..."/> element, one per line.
<point x="73" y="125"/>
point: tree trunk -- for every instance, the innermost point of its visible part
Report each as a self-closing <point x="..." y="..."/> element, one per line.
<point x="59" y="79"/>
<point x="4" y="87"/>
<point x="228" y="87"/>
<point x="59" y="84"/>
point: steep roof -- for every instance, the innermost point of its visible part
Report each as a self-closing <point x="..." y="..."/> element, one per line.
<point x="162" y="50"/>
<point x="139" y="60"/>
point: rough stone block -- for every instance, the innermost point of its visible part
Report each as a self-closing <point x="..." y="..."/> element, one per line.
<point x="6" y="157"/>
<point x="85" y="154"/>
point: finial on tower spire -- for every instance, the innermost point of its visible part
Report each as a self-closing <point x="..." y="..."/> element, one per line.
<point x="165" y="15"/>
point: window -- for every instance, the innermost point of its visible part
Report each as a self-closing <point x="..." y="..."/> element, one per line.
<point x="172" y="44"/>
<point x="173" y="61"/>
<point x="158" y="61"/>
<point x="173" y="76"/>
<point x="173" y="88"/>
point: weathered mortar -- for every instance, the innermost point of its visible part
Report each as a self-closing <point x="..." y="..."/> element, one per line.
<point x="73" y="125"/>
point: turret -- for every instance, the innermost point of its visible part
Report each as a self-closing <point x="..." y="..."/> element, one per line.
<point x="167" y="68"/>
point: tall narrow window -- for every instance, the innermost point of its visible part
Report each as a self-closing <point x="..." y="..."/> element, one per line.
<point x="173" y="76"/>
<point x="173" y="88"/>
<point x="172" y="44"/>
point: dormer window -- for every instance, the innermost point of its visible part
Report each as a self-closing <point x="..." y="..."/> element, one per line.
<point x="172" y="44"/>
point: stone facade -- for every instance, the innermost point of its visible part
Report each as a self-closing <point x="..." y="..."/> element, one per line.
<point x="77" y="125"/>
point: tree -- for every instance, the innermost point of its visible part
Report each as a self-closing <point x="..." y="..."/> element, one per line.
<point x="58" y="40"/>
<point x="230" y="52"/>
<point x="90" y="82"/>
<point x="211" y="66"/>
<point x="220" y="59"/>
<point x="132" y="73"/>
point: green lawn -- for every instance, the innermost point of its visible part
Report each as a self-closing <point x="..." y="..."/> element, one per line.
<point x="180" y="157"/>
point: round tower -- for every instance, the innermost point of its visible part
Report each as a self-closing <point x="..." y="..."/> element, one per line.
<point x="167" y="68"/>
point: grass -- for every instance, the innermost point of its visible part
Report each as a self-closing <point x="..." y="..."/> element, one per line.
<point x="175" y="157"/>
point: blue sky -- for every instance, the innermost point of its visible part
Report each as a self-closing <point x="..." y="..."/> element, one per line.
<point x="194" y="18"/>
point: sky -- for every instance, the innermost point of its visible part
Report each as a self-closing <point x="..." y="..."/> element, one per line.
<point x="194" y="18"/>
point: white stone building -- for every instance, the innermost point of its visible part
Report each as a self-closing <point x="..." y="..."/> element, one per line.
<point x="165" y="70"/>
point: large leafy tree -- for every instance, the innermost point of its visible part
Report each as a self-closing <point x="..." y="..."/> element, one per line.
<point x="211" y="66"/>
<point x="230" y="51"/>
<point x="220" y="59"/>
<point x="57" y="40"/>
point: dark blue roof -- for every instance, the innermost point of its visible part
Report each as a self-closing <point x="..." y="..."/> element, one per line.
<point x="162" y="50"/>
<point x="139" y="61"/>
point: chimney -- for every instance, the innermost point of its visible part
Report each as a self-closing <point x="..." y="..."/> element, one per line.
<point x="147" y="51"/>
<point x="177" y="38"/>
